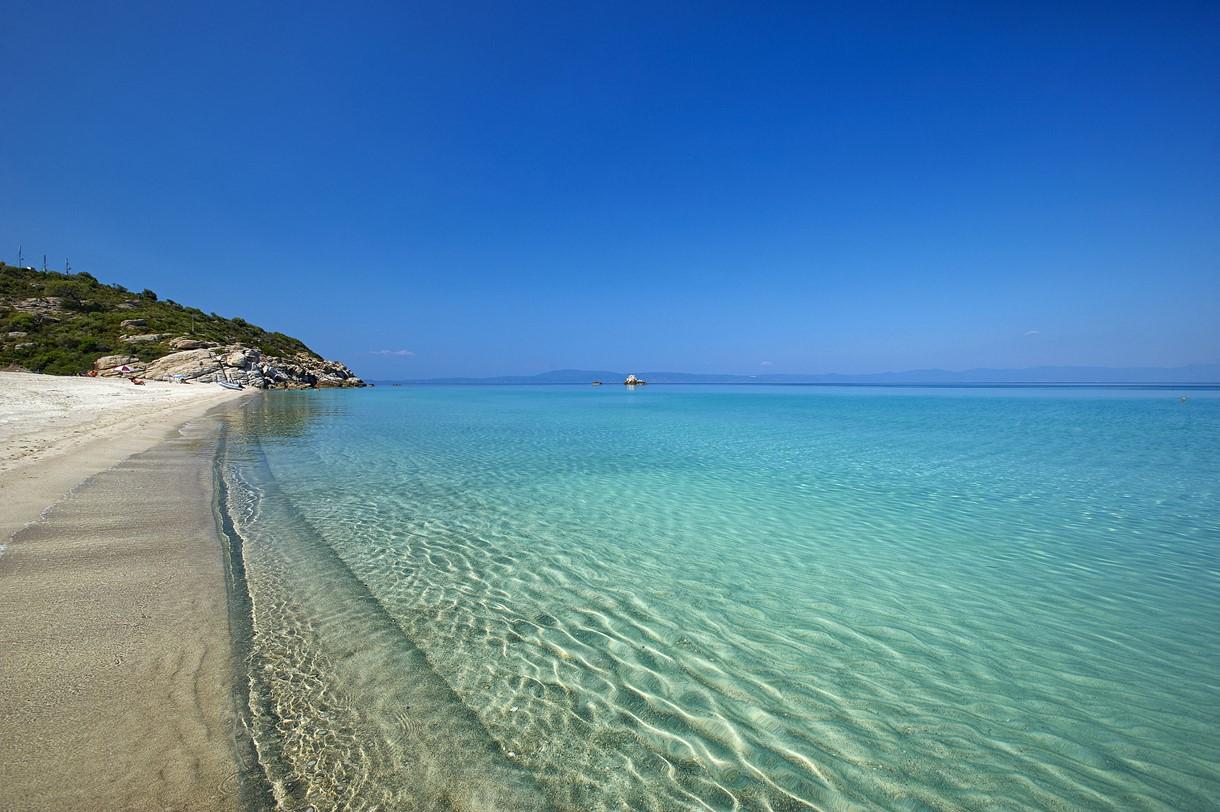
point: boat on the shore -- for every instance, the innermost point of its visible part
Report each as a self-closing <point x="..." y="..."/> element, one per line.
<point x="230" y="385"/>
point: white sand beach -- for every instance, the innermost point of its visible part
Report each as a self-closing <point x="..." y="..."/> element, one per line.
<point x="116" y="677"/>
<point x="55" y="432"/>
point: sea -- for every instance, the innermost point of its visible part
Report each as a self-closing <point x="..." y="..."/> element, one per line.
<point x="729" y="597"/>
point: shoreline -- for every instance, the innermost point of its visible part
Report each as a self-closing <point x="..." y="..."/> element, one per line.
<point x="355" y="680"/>
<point x="256" y="790"/>
<point x="56" y="432"/>
<point x="120" y="670"/>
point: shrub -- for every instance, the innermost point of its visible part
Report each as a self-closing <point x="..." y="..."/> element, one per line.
<point x="64" y="290"/>
<point x="22" y="321"/>
<point x="149" y="295"/>
<point x="81" y="305"/>
<point x="59" y="362"/>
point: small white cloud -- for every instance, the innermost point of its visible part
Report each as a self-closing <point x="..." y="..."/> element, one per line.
<point x="1033" y="332"/>
<point x="399" y="353"/>
<point x="766" y="363"/>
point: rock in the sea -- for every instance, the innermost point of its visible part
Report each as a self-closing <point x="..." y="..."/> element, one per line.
<point x="633" y="381"/>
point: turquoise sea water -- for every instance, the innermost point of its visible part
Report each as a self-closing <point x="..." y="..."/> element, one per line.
<point x="733" y="597"/>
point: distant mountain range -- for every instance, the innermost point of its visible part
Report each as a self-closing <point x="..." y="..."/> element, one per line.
<point x="1192" y="374"/>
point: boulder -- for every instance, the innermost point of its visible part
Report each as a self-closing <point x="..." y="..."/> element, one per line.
<point x="112" y="361"/>
<point x="125" y="323"/>
<point x="108" y="366"/>
<point x="17" y="334"/>
<point x="240" y="364"/>
<point x="237" y="358"/>
<point x="150" y="338"/>
<point x="196" y="365"/>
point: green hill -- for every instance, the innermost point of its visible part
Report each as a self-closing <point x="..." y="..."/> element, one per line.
<point x="60" y="323"/>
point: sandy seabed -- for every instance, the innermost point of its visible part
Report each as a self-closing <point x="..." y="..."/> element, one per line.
<point x="116" y="674"/>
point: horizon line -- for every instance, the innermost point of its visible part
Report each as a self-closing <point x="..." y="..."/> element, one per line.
<point x="1010" y="375"/>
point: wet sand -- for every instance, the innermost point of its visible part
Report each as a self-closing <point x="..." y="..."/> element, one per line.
<point x="117" y="674"/>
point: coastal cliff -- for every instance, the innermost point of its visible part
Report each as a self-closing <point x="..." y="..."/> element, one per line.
<point x="67" y="324"/>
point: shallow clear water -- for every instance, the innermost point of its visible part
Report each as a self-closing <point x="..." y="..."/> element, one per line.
<point x="733" y="597"/>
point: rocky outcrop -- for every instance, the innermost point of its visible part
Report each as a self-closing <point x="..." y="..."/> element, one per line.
<point x="43" y="306"/>
<point x="59" y="323"/>
<point x="239" y="364"/>
<point x="633" y="381"/>
<point x="184" y="343"/>
<point x="109" y="365"/>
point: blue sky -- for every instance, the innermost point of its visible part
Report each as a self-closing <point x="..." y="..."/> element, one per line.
<point x="510" y="188"/>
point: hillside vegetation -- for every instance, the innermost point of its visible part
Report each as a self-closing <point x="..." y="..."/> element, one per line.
<point x="60" y="323"/>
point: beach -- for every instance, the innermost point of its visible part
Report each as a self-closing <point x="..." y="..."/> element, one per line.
<point x="117" y="674"/>
<point x="469" y="598"/>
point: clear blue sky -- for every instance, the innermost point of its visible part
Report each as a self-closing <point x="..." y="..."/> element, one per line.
<point x="509" y="188"/>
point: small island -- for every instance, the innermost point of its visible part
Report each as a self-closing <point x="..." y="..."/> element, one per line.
<point x="633" y="381"/>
